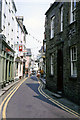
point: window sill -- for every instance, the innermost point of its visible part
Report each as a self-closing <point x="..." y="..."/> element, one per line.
<point x="51" y="75"/>
<point x="73" y="78"/>
<point x="73" y="22"/>
<point x="61" y="31"/>
<point x="52" y="38"/>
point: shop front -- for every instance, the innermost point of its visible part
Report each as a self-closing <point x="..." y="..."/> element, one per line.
<point x="6" y="62"/>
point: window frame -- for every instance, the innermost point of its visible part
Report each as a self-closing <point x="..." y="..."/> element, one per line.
<point x="73" y="54"/>
<point x="52" y="27"/>
<point x="51" y="65"/>
<point x="61" y="18"/>
<point x="73" y="11"/>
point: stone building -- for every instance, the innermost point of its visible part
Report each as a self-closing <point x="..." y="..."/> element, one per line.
<point x="7" y="38"/>
<point x="62" y="29"/>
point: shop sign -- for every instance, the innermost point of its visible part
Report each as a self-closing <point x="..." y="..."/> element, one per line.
<point x="7" y="50"/>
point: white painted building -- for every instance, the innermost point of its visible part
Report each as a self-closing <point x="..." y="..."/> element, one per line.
<point x="8" y="21"/>
<point x="20" y="48"/>
<point x="7" y="38"/>
<point x="12" y="37"/>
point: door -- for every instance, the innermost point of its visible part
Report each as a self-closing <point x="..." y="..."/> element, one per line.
<point x="59" y="70"/>
<point x="6" y="70"/>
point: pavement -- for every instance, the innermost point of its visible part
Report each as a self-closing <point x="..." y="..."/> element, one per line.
<point x="60" y="98"/>
<point x="8" y="86"/>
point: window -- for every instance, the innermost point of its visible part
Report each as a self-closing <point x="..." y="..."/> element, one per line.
<point x="61" y="12"/>
<point x="74" y="61"/>
<point x="51" y="64"/>
<point x="12" y="18"/>
<point x="3" y="26"/>
<point x="9" y="11"/>
<point x="4" y="15"/>
<point x="12" y="46"/>
<point x="5" y="1"/>
<point x="12" y="30"/>
<point x="8" y="23"/>
<point x="73" y="11"/>
<point x="52" y="26"/>
<point x="8" y="42"/>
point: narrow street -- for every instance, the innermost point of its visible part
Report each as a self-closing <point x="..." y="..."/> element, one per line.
<point x="25" y="101"/>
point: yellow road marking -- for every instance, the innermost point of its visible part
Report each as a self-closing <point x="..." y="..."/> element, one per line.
<point x="45" y="95"/>
<point x="9" y="97"/>
<point x="57" y="103"/>
<point x="6" y="98"/>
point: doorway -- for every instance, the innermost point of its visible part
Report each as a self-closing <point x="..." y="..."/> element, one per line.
<point x="6" y="70"/>
<point x="60" y="70"/>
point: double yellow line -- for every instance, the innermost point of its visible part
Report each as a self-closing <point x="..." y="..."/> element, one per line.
<point x="9" y="96"/>
<point x="7" y="99"/>
<point x="57" y="103"/>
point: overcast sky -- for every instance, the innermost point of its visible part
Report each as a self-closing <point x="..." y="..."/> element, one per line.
<point x="34" y="19"/>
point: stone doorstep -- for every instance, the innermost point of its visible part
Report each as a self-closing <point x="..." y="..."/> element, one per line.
<point x="56" y="95"/>
<point x="52" y="93"/>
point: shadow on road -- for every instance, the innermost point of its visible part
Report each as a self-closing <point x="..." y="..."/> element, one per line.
<point x="34" y="87"/>
<point x="34" y="78"/>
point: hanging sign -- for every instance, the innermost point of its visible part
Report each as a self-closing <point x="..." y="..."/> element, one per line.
<point x="20" y="48"/>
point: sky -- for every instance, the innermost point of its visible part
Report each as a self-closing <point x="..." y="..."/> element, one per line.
<point x="33" y="12"/>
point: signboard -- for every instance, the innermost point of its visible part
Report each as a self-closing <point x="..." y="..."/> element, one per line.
<point x="20" y="48"/>
<point x="7" y="50"/>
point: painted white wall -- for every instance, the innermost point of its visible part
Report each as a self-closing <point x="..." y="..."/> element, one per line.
<point x="8" y="21"/>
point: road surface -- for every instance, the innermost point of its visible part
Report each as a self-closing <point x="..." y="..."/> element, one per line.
<point x="26" y="101"/>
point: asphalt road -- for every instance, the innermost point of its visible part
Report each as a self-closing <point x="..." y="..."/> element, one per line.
<point x="28" y="102"/>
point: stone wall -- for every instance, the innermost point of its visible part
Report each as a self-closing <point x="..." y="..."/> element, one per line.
<point x="64" y="41"/>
